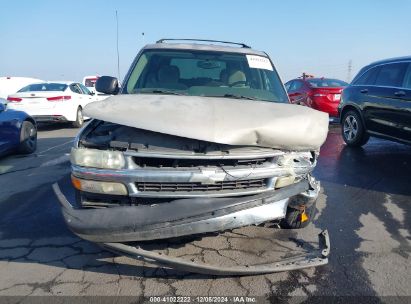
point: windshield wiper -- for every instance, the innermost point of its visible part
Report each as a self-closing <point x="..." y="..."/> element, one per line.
<point x="168" y="92"/>
<point x="237" y="96"/>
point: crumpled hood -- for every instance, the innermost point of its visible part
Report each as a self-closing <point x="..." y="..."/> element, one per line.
<point x="221" y="120"/>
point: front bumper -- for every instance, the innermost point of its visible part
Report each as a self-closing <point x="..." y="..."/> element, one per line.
<point x="182" y="216"/>
<point x="314" y="258"/>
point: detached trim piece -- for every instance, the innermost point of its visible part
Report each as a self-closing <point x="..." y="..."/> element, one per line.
<point x="312" y="259"/>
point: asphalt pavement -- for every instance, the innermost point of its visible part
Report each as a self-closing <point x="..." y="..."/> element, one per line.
<point x="364" y="203"/>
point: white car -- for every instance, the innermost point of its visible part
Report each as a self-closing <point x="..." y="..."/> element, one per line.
<point x="53" y="101"/>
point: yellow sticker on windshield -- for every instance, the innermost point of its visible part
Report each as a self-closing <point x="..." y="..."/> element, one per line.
<point x="259" y="62"/>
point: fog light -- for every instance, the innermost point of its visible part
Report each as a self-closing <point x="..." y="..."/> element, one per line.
<point x="284" y="181"/>
<point x="99" y="187"/>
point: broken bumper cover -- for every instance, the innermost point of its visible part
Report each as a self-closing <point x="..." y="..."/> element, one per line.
<point x="314" y="258"/>
<point x="180" y="217"/>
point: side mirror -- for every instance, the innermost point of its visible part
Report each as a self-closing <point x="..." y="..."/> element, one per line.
<point x="107" y="85"/>
<point x="2" y="107"/>
<point x="92" y="93"/>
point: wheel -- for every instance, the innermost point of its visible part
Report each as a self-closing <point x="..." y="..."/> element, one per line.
<point x="296" y="219"/>
<point x="28" y="138"/>
<point x="353" y="131"/>
<point x="79" y="118"/>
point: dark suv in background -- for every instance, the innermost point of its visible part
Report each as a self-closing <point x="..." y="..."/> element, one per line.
<point x="378" y="103"/>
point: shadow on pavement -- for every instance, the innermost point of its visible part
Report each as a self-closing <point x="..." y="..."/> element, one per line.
<point x="379" y="165"/>
<point x="51" y="126"/>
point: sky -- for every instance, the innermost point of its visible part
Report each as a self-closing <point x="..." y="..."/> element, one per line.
<point x="67" y="40"/>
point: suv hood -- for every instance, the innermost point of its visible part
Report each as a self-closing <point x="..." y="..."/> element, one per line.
<point x="220" y="120"/>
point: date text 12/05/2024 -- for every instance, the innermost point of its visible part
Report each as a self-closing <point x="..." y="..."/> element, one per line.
<point x="202" y="299"/>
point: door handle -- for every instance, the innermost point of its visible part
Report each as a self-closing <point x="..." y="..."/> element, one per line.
<point x="399" y="93"/>
<point x="364" y="91"/>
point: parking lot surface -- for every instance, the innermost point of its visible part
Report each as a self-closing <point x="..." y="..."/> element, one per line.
<point x="364" y="203"/>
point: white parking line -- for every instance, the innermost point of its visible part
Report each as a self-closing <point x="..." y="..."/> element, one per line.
<point x="59" y="160"/>
<point x="51" y="148"/>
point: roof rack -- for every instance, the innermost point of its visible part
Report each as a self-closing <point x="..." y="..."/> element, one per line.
<point x="205" y="40"/>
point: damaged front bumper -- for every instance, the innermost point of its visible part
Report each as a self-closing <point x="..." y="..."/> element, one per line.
<point x="181" y="217"/>
<point x="113" y="227"/>
<point x="316" y="257"/>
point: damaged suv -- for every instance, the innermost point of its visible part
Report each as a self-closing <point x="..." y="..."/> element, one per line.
<point x="201" y="138"/>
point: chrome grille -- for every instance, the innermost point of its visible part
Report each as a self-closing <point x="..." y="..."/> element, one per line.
<point x="198" y="187"/>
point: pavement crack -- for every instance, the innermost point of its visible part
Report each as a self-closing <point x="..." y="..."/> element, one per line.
<point x="119" y="276"/>
<point x="85" y="287"/>
<point x="227" y="257"/>
<point x="238" y="281"/>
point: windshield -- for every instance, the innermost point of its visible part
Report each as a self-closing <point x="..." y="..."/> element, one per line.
<point x="90" y="82"/>
<point x="326" y="83"/>
<point x="204" y="73"/>
<point x="36" y="87"/>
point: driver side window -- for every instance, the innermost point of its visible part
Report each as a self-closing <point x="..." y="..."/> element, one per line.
<point x="74" y="88"/>
<point x="84" y="89"/>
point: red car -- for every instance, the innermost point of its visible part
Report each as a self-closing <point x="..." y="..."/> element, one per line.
<point x="322" y="94"/>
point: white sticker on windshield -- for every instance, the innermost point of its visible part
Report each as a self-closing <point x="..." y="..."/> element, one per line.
<point x="259" y="62"/>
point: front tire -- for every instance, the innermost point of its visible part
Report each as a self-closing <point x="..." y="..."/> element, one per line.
<point x="353" y="130"/>
<point x="28" y="138"/>
<point x="79" y="118"/>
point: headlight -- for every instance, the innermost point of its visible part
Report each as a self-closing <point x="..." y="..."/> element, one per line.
<point x="99" y="187"/>
<point x="97" y="158"/>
